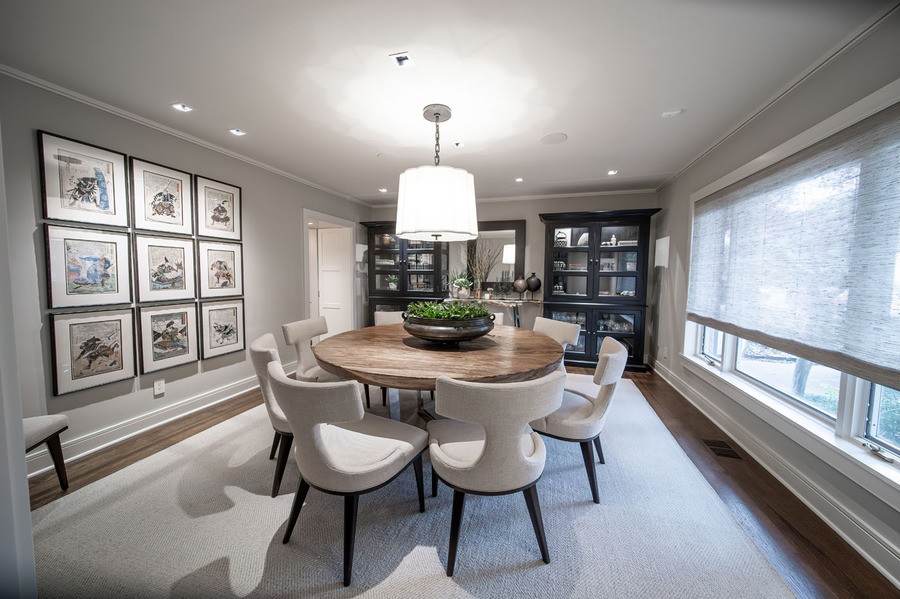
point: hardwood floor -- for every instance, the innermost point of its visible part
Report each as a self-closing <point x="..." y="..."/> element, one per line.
<point x="812" y="559"/>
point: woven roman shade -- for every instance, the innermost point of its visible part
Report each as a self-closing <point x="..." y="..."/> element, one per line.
<point x="804" y="255"/>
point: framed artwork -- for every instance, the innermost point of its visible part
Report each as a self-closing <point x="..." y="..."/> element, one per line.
<point x="82" y="182"/>
<point x="87" y="267"/>
<point x="218" y="209"/>
<point x="168" y="336"/>
<point x="165" y="268"/>
<point x="221" y="269"/>
<point x="222" y="327"/>
<point x="163" y="198"/>
<point x="91" y="349"/>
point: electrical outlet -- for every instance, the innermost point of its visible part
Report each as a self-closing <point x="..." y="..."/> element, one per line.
<point x="159" y="387"/>
<point x="665" y="352"/>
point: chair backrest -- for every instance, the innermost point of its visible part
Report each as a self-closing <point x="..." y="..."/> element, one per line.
<point x="565" y="333"/>
<point x="310" y="408"/>
<point x="498" y="317"/>
<point x="382" y="317"/>
<point x="504" y="411"/>
<point x="262" y="351"/>
<point x="610" y="367"/>
<point x="300" y="335"/>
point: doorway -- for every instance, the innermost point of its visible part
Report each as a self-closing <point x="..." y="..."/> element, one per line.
<point x="329" y="270"/>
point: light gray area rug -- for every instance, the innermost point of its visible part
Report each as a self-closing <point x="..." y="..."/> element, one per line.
<point x="196" y="520"/>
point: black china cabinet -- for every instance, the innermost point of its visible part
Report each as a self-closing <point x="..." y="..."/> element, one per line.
<point x="596" y="269"/>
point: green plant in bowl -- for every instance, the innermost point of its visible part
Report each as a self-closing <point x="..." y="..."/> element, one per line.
<point x="448" y="310"/>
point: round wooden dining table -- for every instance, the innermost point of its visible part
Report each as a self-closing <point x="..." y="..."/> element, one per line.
<point x="390" y="357"/>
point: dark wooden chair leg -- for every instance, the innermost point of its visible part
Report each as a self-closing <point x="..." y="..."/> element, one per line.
<point x="587" y="452"/>
<point x="384" y="396"/>
<point x="351" y="505"/>
<point x="299" y="498"/>
<point x="534" y="510"/>
<point x="434" y="483"/>
<point x="420" y="483"/>
<point x="274" y="445"/>
<point x="366" y="389"/>
<point x="459" y="504"/>
<point x="599" y="449"/>
<point x="284" y="449"/>
<point x="56" y="454"/>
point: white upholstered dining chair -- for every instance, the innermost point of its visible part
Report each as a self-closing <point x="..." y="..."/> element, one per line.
<point x="300" y="334"/>
<point x="263" y="351"/>
<point x="484" y="445"/>
<point x="565" y="333"/>
<point x="585" y="407"/>
<point x="342" y="450"/>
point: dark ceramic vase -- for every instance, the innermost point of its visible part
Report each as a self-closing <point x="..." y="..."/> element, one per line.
<point x="520" y="286"/>
<point x="533" y="283"/>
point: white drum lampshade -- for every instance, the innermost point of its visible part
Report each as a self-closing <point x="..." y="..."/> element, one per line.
<point x="436" y="203"/>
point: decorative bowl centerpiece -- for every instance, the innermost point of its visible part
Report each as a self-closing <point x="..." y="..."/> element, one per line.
<point x="447" y="322"/>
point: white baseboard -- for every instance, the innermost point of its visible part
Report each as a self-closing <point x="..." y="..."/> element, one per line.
<point x="39" y="461"/>
<point x="864" y="538"/>
<point x="86" y="444"/>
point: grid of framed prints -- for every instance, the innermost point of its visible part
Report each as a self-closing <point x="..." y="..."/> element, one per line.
<point x="127" y="238"/>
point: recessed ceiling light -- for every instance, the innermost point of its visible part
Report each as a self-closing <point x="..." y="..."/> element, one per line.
<point x="181" y="106"/>
<point x="459" y="144"/>
<point x="612" y="172"/>
<point x="667" y="114"/>
<point x="310" y="224"/>
<point x="519" y="179"/>
<point x="402" y="59"/>
<point x="383" y="190"/>
<point x="238" y="132"/>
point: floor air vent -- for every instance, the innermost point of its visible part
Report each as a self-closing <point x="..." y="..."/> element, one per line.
<point x="721" y="448"/>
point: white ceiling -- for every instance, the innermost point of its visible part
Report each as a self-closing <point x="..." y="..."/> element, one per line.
<point x="313" y="85"/>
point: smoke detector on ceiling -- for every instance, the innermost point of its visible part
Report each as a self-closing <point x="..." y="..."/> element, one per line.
<point x="667" y="114"/>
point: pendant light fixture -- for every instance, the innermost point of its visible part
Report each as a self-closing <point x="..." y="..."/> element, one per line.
<point x="436" y="203"/>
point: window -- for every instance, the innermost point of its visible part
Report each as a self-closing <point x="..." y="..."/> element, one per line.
<point x="712" y="344"/>
<point x="883" y="425"/>
<point x="812" y="385"/>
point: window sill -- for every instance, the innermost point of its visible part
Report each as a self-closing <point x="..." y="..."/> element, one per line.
<point x="845" y="455"/>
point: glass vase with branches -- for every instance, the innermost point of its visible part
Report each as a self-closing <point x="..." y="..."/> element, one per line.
<point x="484" y="256"/>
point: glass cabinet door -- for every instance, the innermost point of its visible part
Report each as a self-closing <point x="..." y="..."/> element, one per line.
<point x="625" y="326"/>
<point x="386" y="262"/>
<point x="570" y="276"/>
<point x="419" y="262"/>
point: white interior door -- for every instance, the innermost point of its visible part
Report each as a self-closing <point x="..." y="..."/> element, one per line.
<point x="336" y="279"/>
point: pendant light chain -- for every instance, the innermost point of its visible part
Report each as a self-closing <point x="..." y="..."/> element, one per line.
<point x="437" y="139"/>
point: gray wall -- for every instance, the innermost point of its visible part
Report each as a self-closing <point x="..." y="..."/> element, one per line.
<point x="273" y="264"/>
<point x="868" y="66"/>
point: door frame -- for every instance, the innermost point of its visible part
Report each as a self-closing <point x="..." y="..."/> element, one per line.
<point x="313" y="215"/>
